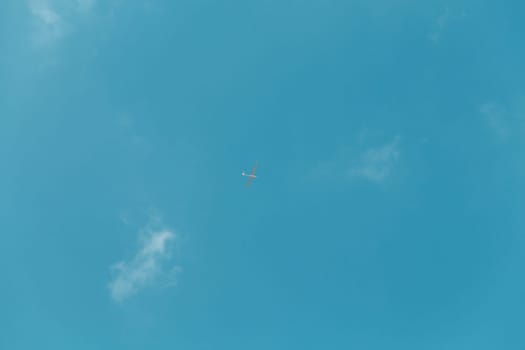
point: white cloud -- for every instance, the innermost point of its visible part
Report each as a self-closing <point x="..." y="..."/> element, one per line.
<point x="151" y="265"/>
<point x="376" y="164"/>
<point x="49" y="24"/>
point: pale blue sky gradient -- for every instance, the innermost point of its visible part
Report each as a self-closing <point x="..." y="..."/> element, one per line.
<point x="388" y="212"/>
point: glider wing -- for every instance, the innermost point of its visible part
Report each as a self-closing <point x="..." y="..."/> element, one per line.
<point x="255" y="168"/>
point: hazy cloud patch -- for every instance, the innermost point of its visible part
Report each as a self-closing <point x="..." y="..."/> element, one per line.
<point x="376" y="164"/>
<point x="496" y="119"/>
<point x="443" y="21"/>
<point x="49" y="25"/>
<point x="130" y="131"/>
<point x="52" y="19"/>
<point x="506" y="120"/>
<point x="85" y="5"/>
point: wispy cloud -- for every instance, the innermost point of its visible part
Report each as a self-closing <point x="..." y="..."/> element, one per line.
<point x="505" y="119"/>
<point x="376" y="164"/>
<point x="152" y="264"/>
<point x="443" y="21"/>
<point x="52" y="19"/>
<point x="496" y="119"/>
<point x="49" y="25"/>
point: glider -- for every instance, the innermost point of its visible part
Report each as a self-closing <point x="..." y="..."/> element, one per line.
<point x="250" y="176"/>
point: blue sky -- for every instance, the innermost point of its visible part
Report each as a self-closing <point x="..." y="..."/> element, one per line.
<point x="388" y="209"/>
